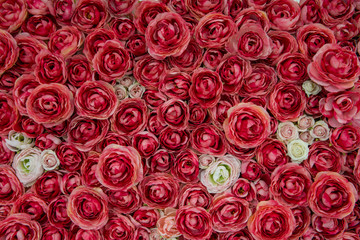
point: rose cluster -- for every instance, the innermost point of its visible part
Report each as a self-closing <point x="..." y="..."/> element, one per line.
<point x="179" y="119"/>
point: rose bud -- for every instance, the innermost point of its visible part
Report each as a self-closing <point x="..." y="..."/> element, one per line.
<point x="121" y="92"/>
<point x="88" y="208"/>
<point x="287" y="102"/>
<point x="331" y="77"/>
<point x="27" y="165"/>
<point x="39" y="26"/>
<point x="69" y="182"/>
<point x="195" y="195"/>
<point x="130" y="117"/>
<point x="186" y="167"/>
<point x="199" y="9"/>
<point x="147" y="216"/>
<point x="148" y="71"/>
<point x="142" y="233"/>
<point x="9" y="113"/>
<point x="175" y="85"/>
<point x="292" y="68"/>
<point x="174" y="140"/>
<point x="208" y="139"/>
<point x="10" y="186"/>
<point x="176" y="36"/>
<point x="123" y="28"/>
<point x="136" y="90"/>
<point x="244" y="189"/>
<point x="96" y="8"/>
<point x="14" y="15"/>
<point x="243" y="234"/>
<point x="47" y="187"/>
<point x="323" y="157"/>
<point x="166" y="225"/>
<point x="107" y="67"/>
<point x="57" y="213"/>
<point x="50" y="232"/>
<point x="17" y="141"/>
<point x="160" y="161"/>
<point x="332" y="196"/>
<point x="95" y="40"/>
<point x="271" y="220"/>
<point x="290" y="185"/>
<point x="302" y="221"/>
<point x="125" y="202"/>
<point x="252" y="16"/>
<point x="260" y="81"/>
<point x="174" y="113"/>
<point x="240" y="117"/>
<point x="66" y="41"/>
<point x="32" y="205"/>
<point x="251" y="42"/>
<point x="28" y="127"/>
<point x="287" y="131"/>
<point x="159" y="190"/>
<point x="341" y="108"/>
<point x="119" y="167"/>
<point x="221" y="174"/>
<point x="59" y="108"/>
<point x="20" y="226"/>
<point x="193" y="222"/>
<point x="283" y="14"/>
<point x="212" y="57"/>
<point x="282" y="42"/>
<point x="251" y="170"/>
<point x="119" y="227"/>
<point x="229" y="213"/>
<point x="345" y="139"/>
<point x="214" y="30"/>
<point x="189" y="60"/>
<point x="312" y="37"/>
<point x="46" y="141"/>
<point x="329" y="228"/>
<point x="305" y="122"/>
<point x="154" y="98"/>
<point x="262" y="187"/>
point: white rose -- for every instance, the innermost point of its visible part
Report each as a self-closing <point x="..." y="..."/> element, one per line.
<point x="27" y="165"/>
<point x="298" y="150"/>
<point x="311" y="88"/>
<point x="221" y="174"/>
<point x="49" y="160"/>
<point x="287" y="131"/>
<point x="17" y="141"/>
<point x="320" y="130"/>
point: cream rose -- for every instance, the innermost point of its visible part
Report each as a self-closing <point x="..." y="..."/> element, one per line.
<point x="298" y="150"/>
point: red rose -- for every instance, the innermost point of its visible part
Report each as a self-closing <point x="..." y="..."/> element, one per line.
<point x="326" y="71"/>
<point x="282" y="42"/>
<point x="283" y="14"/>
<point x="198" y="115"/>
<point x="290" y="185"/>
<point x="119" y="167"/>
<point x="229" y="213"/>
<point x="160" y="161"/>
<point x="186" y="167"/>
<point x="30" y="204"/>
<point x="302" y="220"/>
<point x="153" y="125"/>
<point x="332" y="196"/>
<point x="148" y="71"/>
<point x="271" y="154"/>
<point x="242" y="234"/>
<point x="323" y="157"/>
<point x="119" y="227"/>
<point x="111" y="61"/>
<point x="195" y="195"/>
<point x="10" y="186"/>
<point x="310" y="11"/>
<point x="88" y="208"/>
<point x="69" y="182"/>
<point x="174" y="113"/>
<point x="332" y="13"/>
<point x="111" y="138"/>
<point x="190" y="59"/>
<point x="206" y="87"/>
<point x="207" y="139"/>
<point x="147" y="216"/>
<point x="6" y="155"/>
<point x="329" y="228"/>
<point x="145" y="12"/>
<point x="85" y="8"/>
<point x="88" y="169"/>
<point x="47" y="141"/>
<point x="50" y="68"/>
<point x="7" y="80"/>
<point x="78" y="70"/>
<point x="146" y="143"/>
<point x="59" y="104"/>
<point x="121" y="8"/>
<point x="136" y="45"/>
<point x="287" y="102"/>
<point x="271" y="221"/>
<point x="253" y="16"/>
<point x="174" y="140"/>
<point x="214" y="30"/>
<point x="251" y="42"/>
<point x="345" y="139"/>
<point x="130" y="117"/>
<point x="193" y="222"/>
<point x="9" y="52"/>
<point x="8" y="112"/>
<point x="47" y="187"/>
<point x="20" y="225"/>
<point x="167" y="35"/>
<point x="212" y="57"/>
<point x="57" y="214"/>
<point x="198" y="9"/>
<point x="219" y="112"/>
<point x="178" y="6"/>
<point x="70" y="157"/>
<point x="240" y="117"/>
<point x="159" y="190"/>
<point x="292" y="68"/>
<point x="49" y="232"/>
<point x="39" y="26"/>
<point x="66" y="41"/>
<point x="251" y="170"/>
<point x="233" y="7"/>
<point x="244" y="189"/>
<point x="125" y="202"/>
<point x="123" y="27"/>
<point x="175" y="85"/>
<point x="13" y="16"/>
<point x="95" y="40"/>
<point x="232" y="71"/>
<point x="23" y="87"/>
<point x="62" y="10"/>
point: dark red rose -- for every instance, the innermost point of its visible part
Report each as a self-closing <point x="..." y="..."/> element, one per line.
<point x="310" y="11"/>
<point x="148" y="71"/>
<point x="159" y="190"/>
<point x="123" y="28"/>
<point x="283" y="14"/>
<point x="345" y="139"/>
<point x="125" y="202"/>
<point x="50" y="232"/>
<point x="238" y="235"/>
<point x="153" y="125"/>
<point x="175" y="84"/>
<point x="7" y="80"/>
<point x="271" y="154"/>
<point x="121" y="8"/>
<point x="69" y="182"/>
<point x="88" y="169"/>
<point x="8" y="112"/>
<point x="190" y="59"/>
<point x="212" y="57"/>
<point x="198" y="115"/>
<point x="186" y="167"/>
<point x="95" y="40"/>
<point x="57" y="214"/>
<point x="312" y="104"/>
<point x="136" y="45"/>
<point x="241" y="153"/>
<point x="174" y="140"/>
<point x="174" y="113"/>
<point x="282" y="42"/>
<point x="207" y="139"/>
<point x="50" y="68"/>
<point x="147" y="216"/>
<point x="244" y="189"/>
<point x="146" y="143"/>
<point x="251" y="170"/>
<point x="78" y="70"/>
<point x="59" y="129"/>
<point x="178" y="6"/>
<point x="34" y="206"/>
<point x="154" y="98"/>
<point x="142" y="233"/>
<point x="47" y="187"/>
<point x="70" y="157"/>
<point x="302" y="221"/>
<point x="39" y="26"/>
<point x="292" y="68"/>
<point x="62" y="10"/>
<point x="219" y="112"/>
<point x="86" y="8"/>
<point x="160" y="161"/>
<point x="119" y="227"/>
<point x="6" y="155"/>
<point x="147" y="11"/>
<point x="23" y="87"/>
<point x="195" y="195"/>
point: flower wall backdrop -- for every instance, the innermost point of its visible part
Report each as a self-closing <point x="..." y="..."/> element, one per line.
<point x="179" y="119"/>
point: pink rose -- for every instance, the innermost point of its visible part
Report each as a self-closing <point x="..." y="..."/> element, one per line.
<point x="329" y="228"/>
<point x="283" y="14"/>
<point x="167" y="35"/>
<point x="32" y="205"/>
<point x="253" y="16"/>
<point x="198" y="9"/>
<point x="121" y="8"/>
<point x="310" y="11"/>
<point x="20" y="225"/>
<point x="62" y="10"/>
<point x="119" y="226"/>
<point x="195" y="195"/>
<point x="166" y="225"/>
<point x="94" y="8"/>
<point x="240" y="117"/>
<point x="69" y="182"/>
<point x="66" y="41"/>
<point x="147" y="216"/>
<point x="13" y="16"/>
<point x="345" y="31"/>
<point x="282" y="42"/>
<point x="11" y="188"/>
<point x="332" y="13"/>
